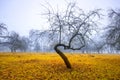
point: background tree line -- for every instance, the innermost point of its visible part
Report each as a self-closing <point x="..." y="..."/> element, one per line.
<point x="74" y="29"/>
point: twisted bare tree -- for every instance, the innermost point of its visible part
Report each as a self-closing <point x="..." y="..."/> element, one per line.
<point x="73" y="28"/>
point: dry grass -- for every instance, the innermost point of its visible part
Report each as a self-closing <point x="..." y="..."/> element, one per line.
<point x="33" y="66"/>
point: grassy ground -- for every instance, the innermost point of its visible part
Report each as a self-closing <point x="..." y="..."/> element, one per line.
<point x="23" y="66"/>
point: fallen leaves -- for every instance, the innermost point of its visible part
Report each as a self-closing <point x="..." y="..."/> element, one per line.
<point x="51" y="67"/>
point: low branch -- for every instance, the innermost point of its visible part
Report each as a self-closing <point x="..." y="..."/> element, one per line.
<point x="6" y="37"/>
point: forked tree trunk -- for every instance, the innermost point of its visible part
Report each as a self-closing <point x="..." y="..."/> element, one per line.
<point x="65" y="59"/>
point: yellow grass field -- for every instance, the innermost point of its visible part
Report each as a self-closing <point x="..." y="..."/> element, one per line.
<point x="49" y="66"/>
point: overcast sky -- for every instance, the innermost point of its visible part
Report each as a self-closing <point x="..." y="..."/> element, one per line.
<point x="24" y="15"/>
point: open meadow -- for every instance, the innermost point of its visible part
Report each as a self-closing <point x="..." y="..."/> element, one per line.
<point x="49" y="66"/>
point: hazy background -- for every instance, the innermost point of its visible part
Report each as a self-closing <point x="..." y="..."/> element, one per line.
<point x="24" y="15"/>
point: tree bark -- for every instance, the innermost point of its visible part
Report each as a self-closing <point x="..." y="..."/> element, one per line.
<point x="65" y="59"/>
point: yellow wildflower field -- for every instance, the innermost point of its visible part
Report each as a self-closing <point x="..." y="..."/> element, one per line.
<point x="49" y="66"/>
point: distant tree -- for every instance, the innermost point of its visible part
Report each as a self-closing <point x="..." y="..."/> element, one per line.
<point x="12" y="40"/>
<point x="41" y="42"/>
<point x="73" y="28"/>
<point x="113" y="29"/>
<point x="25" y="43"/>
<point x="3" y="31"/>
<point x="15" y="42"/>
<point x="2" y="28"/>
<point x="3" y="34"/>
<point x="37" y="47"/>
<point x="100" y="46"/>
<point x="34" y="41"/>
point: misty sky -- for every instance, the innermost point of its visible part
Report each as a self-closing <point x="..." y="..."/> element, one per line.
<point x="24" y="15"/>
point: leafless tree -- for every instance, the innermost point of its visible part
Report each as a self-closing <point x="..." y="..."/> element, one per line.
<point x="113" y="29"/>
<point x="73" y="28"/>
<point x="2" y="28"/>
<point x="14" y="42"/>
<point x="3" y="31"/>
<point x="24" y="44"/>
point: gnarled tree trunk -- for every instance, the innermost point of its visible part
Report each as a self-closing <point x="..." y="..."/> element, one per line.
<point x="65" y="59"/>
